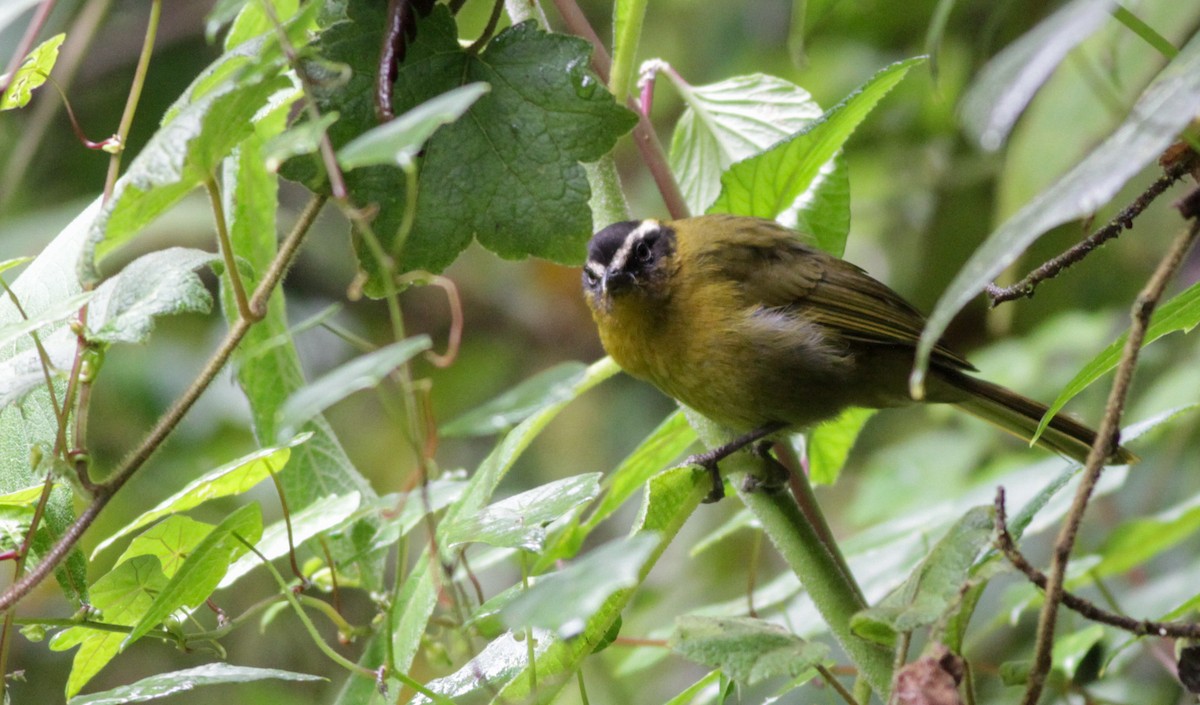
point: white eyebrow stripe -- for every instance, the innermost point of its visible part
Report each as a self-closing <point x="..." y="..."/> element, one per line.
<point x="595" y="268"/>
<point x="633" y="238"/>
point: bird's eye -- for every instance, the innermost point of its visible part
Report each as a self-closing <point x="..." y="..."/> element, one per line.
<point x="642" y="252"/>
<point x="590" y="276"/>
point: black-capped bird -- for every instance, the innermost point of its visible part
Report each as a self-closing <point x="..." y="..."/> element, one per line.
<point x="740" y="320"/>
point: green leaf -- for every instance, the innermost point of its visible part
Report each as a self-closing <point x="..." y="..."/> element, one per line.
<point x="33" y="72"/>
<point x="253" y="21"/>
<point x="829" y="444"/>
<point x="1070" y="650"/>
<point x="689" y="694"/>
<point x="769" y="183"/>
<point x="230" y="479"/>
<point x="520" y="521"/>
<point x="122" y="595"/>
<point x="564" y="601"/>
<point x="1136" y="541"/>
<point x="500" y="662"/>
<point x="1162" y="111"/>
<point x="747" y="650"/>
<point x="934" y="587"/>
<point x="1180" y="313"/>
<point x="202" y="571"/>
<point x="170" y="541"/>
<point x="399" y="514"/>
<point x="165" y="684"/>
<point x="511" y="407"/>
<point x="318" y="517"/>
<point x="397" y="142"/>
<point x="162" y="283"/>
<point x="363" y="372"/>
<point x="729" y="121"/>
<point x="304" y="138"/>
<point x="58" y="312"/>
<point x="493" y="175"/>
<point x="1008" y="82"/>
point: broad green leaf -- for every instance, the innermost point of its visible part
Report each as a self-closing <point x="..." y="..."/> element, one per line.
<point x="493" y="175"/>
<point x="363" y="372"/>
<point x="253" y="21"/>
<point x="166" y="684"/>
<point x="318" y="517"/>
<point x="162" y="283"/>
<point x="122" y="595"/>
<point x="170" y="541"/>
<point x="822" y="213"/>
<point x="216" y="113"/>
<point x="203" y="569"/>
<point x="268" y="365"/>
<point x="232" y="478"/>
<point x="769" y="183"/>
<point x="1181" y="313"/>
<point x="729" y="121"/>
<point x="564" y="601"/>
<point x="22" y="498"/>
<point x="1163" y="109"/>
<point x="829" y="444"/>
<point x="397" y="142"/>
<point x="747" y="650"/>
<point x="934" y="587"/>
<point x="514" y="405"/>
<point x="33" y="72"/>
<point x="520" y="521"/>
<point x="58" y="312"/>
<point x="1006" y="85"/>
<point x="304" y="138"/>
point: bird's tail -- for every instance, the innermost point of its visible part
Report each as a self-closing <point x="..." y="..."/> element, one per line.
<point x="1020" y="416"/>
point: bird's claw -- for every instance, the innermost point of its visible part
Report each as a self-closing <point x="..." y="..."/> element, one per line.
<point x="717" y="493"/>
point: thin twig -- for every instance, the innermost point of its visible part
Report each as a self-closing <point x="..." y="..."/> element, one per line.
<point x="1086" y="608"/>
<point x="836" y="685"/>
<point x="226" y="245"/>
<point x="1106" y="436"/>
<point x="1121" y="222"/>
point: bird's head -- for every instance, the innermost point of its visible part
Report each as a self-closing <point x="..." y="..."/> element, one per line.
<point x="633" y="258"/>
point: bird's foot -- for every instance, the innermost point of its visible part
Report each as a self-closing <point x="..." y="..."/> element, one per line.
<point x="709" y="462"/>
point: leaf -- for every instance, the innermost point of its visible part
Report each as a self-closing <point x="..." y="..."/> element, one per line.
<point x="1180" y="313"/>
<point x="729" y="121"/>
<point x="202" y="571"/>
<point x="122" y="595"/>
<point x="508" y="409"/>
<point x="564" y="601"/>
<point x="304" y="138"/>
<point x="158" y="284"/>
<point x="1163" y="109"/>
<point x="769" y="183"/>
<point x="32" y="73"/>
<point x="1138" y="540"/>
<point x="397" y="142"/>
<point x="363" y="372"/>
<point x="164" y="684"/>
<point x="1070" y="650"/>
<point x="318" y="517"/>
<point x="399" y="514"/>
<point x="498" y="663"/>
<point x="829" y="444"/>
<point x="747" y="650"/>
<point x="58" y="312"/>
<point x="495" y="174"/>
<point x="1008" y="82"/>
<point x="520" y="521"/>
<point x="232" y="478"/>
<point x="170" y="541"/>
<point x="934" y="587"/>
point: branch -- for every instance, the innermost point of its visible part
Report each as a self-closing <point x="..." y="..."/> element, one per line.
<point x="1085" y="608"/>
<point x="1106" y="436"/>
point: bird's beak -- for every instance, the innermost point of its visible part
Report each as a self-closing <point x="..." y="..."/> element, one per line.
<point x="616" y="282"/>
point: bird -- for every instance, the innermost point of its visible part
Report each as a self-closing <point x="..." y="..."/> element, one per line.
<point x="741" y="320"/>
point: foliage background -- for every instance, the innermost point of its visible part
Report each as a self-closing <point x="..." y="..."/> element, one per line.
<point x="923" y="198"/>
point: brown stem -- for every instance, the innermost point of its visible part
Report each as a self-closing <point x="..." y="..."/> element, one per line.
<point x="1106" y="436"/>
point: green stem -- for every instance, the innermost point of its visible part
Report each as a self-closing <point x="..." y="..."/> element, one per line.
<point x="1135" y="24"/>
<point x="629" y="16"/>
<point x="235" y="279"/>
<point x="135" y="94"/>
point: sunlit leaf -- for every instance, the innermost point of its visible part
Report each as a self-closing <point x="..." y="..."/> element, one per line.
<point x="747" y="650"/>
<point x="170" y="541"/>
<point x="829" y="444"/>
<point x="32" y="73"/>
<point x="398" y="141"/>
<point x="165" y="684"/>
<point x="520" y="521"/>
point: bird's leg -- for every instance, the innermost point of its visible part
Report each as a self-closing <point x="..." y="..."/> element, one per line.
<point x="776" y="474"/>
<point x="710" y="459"/>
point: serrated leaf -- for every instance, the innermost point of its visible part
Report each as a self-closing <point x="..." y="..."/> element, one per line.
<point x="769" y="183"/>
<point x="170" y="541"/>
<point x="397" y="142"/>
<point x="122" y="595"/>
<point x="162" y="283"/>
<point x="747" y="650"/>
<point x="363" y="372"/>
<point x="165" y="684"/>
<point x="1008" y="82"/>
<point x="564" y="602"/>
<point x="1162" y="111"/>
<point x="936" y="584"/>
<point x="829" y="444"/>
<point x="1180" y="313"/>
<point x="202" y="571"/>
<point x="33" y="72"/>
<point x="230" y="479"/>
<point x="508" y="409"/>
<point x="318" y="517"/>
<point x="520" y="521"/>
<point x="729" y="121"/>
